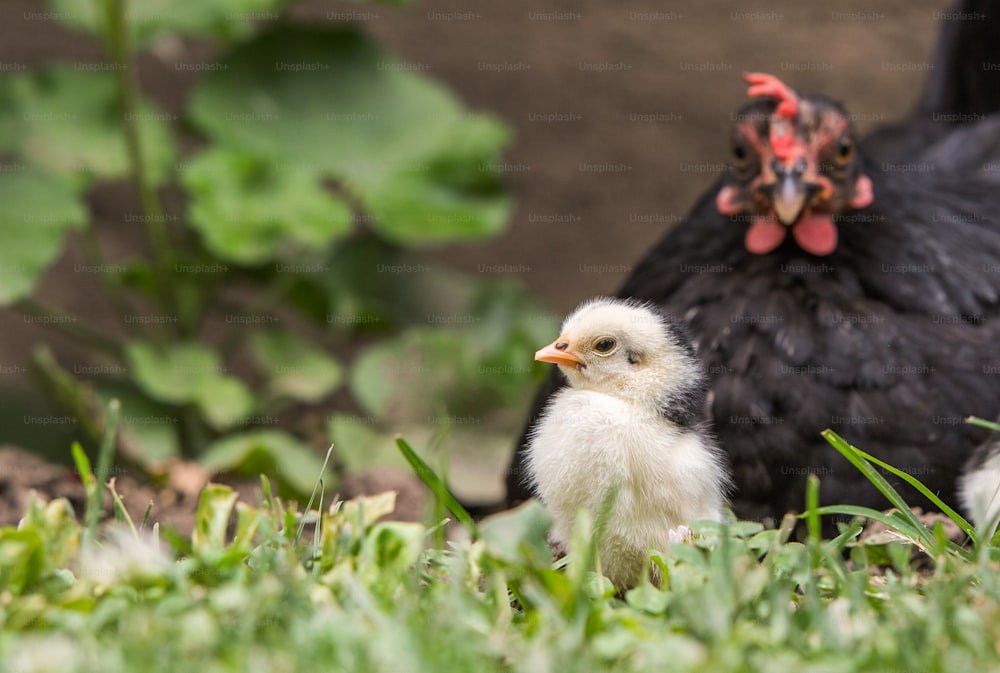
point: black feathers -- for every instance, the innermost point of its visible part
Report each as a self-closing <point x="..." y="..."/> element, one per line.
<point x="686" y="407"/>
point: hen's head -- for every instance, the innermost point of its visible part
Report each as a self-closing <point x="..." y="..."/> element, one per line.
<point x="795" y="166"/>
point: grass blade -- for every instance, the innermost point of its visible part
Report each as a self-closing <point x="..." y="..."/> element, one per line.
<point x="107" y="451"/>
<point x="265" y="485"/>
<point x="919" y="534"/>
<point x="145" y="517"/>
<point x="896" y="523"/>
<point x="437" y="487"/>
<point x="95" y="484"/>
<point x="983" y="423"/>
<point x="317" y="489"/>
<point x="850" y="532"/>
<point x="959" y="520"/>
<point x="860" y="461"/>
<point x="121" y="514"/>
<point x="83" y="468"/>
<point x="812" y="505"/>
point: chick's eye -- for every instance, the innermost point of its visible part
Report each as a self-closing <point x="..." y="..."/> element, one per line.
<point x="604" y="345"/>
<point x="845" y="151"/>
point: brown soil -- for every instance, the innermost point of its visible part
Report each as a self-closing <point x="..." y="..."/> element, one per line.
<point x="22" y="473"/>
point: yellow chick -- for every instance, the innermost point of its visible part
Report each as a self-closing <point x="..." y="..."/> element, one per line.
<point x="631" y="421"/>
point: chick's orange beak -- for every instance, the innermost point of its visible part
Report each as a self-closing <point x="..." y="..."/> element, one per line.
<point x="558" y="353"/>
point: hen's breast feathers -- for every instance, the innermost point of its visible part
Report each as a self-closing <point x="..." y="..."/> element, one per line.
<point x="901" y="322"/>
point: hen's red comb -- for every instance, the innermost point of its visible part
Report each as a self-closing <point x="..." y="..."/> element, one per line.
<point x="769" y="86"/>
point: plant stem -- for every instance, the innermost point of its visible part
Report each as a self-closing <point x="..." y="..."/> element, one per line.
<point x="120" y="54"/>
<point x="83" y="401"/>
<point x="68" y="324"/>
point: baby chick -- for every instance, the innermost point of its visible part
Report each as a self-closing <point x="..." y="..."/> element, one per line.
<point x="631" y="422"/>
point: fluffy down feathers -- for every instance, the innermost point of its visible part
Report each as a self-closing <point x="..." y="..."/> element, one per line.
<point x="628" y="427"/>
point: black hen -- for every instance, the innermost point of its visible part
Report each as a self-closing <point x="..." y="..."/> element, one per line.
<point x="829" y="285"/>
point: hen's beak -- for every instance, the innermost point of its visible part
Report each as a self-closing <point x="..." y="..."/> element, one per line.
<point x="791" y="192"/>
<point x="559" y="353"/>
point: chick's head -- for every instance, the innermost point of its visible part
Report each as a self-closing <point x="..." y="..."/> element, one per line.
<point x="626" y="349"/>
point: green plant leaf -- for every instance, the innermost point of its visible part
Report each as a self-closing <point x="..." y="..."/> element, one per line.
<point x="453" y="196"/>
<point x="506" y="312"/>
<point x="372" y="285"/>
<point x="37" y="210"/>
<point x="247" y="524"/>
<point x="172" y="373"/>
<point x="69" y="121"/>
<point x="251" y="210"/>
<point x="190" y="373"/>
<point x="399" y="141"/>
<point x="519" y="533"/>
<point x="365" y="510"/>
<point x="473" y="362"/>
<point x="215" y="504"/>
<point x="149" y="20"/>
<point x="358" y="445"/>
<point x="224" y="401"/>
<point x="271" y="452"/>
<point x="151" y="428"/>
<point x="82" y="463"/>
<point x="648" y="598"/>
<point x="394" y="546"/>
<point x="22" y="557"/>
<point x="386" y="376"/>
<point x="295" y="367"/>
<point x="509" y="327"/>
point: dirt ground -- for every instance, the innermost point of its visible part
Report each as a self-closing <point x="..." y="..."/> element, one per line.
<point x="620" y="111"/>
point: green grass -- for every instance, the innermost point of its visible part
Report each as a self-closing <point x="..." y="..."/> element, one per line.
<point x="280" y="590"/>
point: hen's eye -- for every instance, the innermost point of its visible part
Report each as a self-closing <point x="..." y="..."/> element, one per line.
<point x="604" y="345"/>
<point x="845" y="150"/>
<point x="740" y="154"/>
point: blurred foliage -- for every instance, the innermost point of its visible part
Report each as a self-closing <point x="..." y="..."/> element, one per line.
<point x="69" y="122"/>
<point x="33" y="240"/>
<point x="313" y="169"/>
<point x="152" y="20"/>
